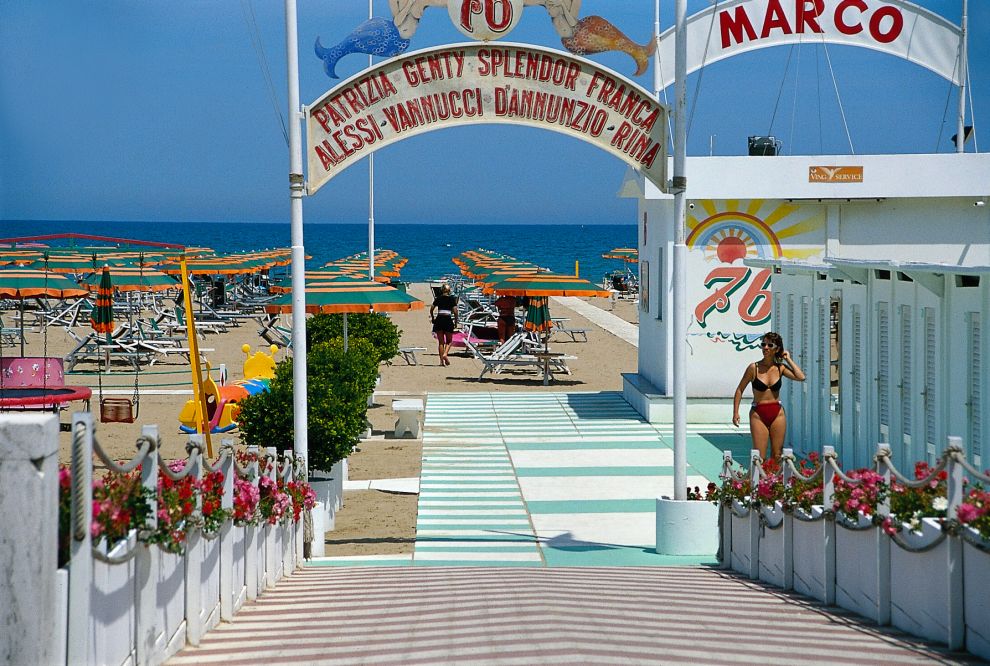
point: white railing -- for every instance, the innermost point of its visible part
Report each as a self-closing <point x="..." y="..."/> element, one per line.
<point x="930" y="579"/>
<point x="131" y="603"/>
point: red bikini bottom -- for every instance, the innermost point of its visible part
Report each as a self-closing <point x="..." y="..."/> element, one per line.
<point x="767" y="411"/>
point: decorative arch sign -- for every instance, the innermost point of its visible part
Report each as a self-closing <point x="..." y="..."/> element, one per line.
<point x="470" y="84"/>
<point x="894" y="27"/>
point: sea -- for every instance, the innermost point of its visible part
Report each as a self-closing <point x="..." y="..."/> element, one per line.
<point x="429" y="247"/>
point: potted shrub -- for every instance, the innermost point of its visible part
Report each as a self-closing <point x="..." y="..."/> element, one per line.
<point x="338" y="385"/>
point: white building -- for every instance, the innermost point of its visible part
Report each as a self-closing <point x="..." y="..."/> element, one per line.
<point x="876" y="271"/>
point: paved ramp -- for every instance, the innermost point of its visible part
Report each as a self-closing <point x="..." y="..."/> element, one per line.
<point x="412" y="615"/>
<point x="615" y="325"/>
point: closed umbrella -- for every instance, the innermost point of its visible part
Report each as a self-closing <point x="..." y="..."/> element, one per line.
<point x="538" y="315"/>
<point x="102" y="317"/>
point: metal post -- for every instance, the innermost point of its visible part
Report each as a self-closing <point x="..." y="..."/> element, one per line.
<point x="679" y="187"/>
<point x="371" y="186"/>
<point x="195" y="362"/>
<point x="299" y="413"/>
<point x="963" y="74"/>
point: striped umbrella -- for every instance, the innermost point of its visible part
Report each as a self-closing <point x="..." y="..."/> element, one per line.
<point x="102" y="317"/>
<point x="545" y="284"/>
<point x="627" y="254"/>
<point x="131" y="278"/>
<point x="25" y="283"/>
<point x="345" y="296"/>
<point x="538" y="315"/>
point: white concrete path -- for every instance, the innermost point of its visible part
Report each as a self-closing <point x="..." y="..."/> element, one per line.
<point x="615" y="325"/>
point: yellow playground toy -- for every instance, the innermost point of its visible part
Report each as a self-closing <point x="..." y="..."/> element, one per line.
<point x="221" y="401"/>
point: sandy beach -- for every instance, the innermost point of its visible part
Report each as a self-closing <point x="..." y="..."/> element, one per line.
<point x="371" y="522"/>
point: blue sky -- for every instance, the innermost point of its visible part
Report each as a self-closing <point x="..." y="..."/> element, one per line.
<point x="159" y="111"/>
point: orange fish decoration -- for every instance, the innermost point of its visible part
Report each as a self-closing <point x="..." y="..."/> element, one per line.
<point x="589" y="35"/>
<point x="593" y="34"/>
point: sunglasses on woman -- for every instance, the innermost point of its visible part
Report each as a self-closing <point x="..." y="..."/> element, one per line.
<point x="768" y="345"/>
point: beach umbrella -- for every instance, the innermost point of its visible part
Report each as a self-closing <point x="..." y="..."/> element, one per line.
<point x="545" y="284"/>
<point x="102" y="317"/>
<point x="26" y="283"/>
<point x="343" y="296"/>
<point x="538" y="315"/>
<point x="627" y="254"/>
<point x="71" y="263"/>
<point x="132" y="278"/>
<point x="346" y="296"/>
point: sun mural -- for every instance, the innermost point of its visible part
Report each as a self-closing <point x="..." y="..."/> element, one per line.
<point x="727" y="232"/>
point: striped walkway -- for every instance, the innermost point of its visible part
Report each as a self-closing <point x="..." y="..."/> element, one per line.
<point x="547" y="479"/>
<point x="652" y="615"/>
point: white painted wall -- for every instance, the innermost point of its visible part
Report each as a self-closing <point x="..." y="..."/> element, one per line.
<point x="909" y="208"/>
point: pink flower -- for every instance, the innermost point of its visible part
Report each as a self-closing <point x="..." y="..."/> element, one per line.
<point x="967" y="513"/>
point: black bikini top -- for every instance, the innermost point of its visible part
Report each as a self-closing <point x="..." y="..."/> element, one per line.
<point x="760" y="386"/>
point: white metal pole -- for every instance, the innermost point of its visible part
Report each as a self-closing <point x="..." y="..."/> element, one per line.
<point x="299" y="411"/>
<point x="371" y="185"/>
<point x="679" y="186"/>
<point x="963" y="73"/>
<point x="657" y="82"/>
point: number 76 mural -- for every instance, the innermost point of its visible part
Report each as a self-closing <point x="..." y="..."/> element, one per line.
<point x="735" y="300"/>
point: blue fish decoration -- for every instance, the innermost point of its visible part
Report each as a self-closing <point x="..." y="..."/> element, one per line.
<point x="376" y="36"/>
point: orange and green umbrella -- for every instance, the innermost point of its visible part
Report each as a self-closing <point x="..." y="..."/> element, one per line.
<point x="545" y="284"/>
<point x="102" y="317"/>
<point x="538" y="315"/>
<point x="25" y="283"/>
<point x="28" y="283"/>
<point x="344" y="296"/>
<point x="627" y="254"/>
<point x="132" y="278"/>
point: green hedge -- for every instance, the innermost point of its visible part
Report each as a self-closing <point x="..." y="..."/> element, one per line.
<point x="338" y="385"/>
<point x="374" y="327"/>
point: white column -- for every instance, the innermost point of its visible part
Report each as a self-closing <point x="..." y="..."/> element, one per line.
<point x="679" y="186"/>
<point x="28" y="538"/>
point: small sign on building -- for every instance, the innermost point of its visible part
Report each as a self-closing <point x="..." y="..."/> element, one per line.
<point x="835" y="174"/>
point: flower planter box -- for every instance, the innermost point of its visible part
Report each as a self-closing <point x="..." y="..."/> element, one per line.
<point x="856" y="576"/>
<point x="171" y="597"/>
<point x="771" y="552"/>
<point x="238" y="545"/>
<point x="809" y="558"/>
<point x="112" y="613"/>
<point x="741" y="555"/>
<point x="209" y="574"/>
<point x="976" y="592"/>
<point x="919" y="584"/>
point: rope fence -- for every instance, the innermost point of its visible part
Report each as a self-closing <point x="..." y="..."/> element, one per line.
<point x="864" y="539"/>
<point x="228" y="528"/>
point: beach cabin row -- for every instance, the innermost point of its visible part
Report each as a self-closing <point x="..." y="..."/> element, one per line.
<point x="874" y="269"/>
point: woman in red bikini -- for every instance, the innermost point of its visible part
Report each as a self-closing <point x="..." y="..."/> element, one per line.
<point x="766" y="417"/>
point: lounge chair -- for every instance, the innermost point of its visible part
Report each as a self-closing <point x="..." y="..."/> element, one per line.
<point x="507" y="355"/>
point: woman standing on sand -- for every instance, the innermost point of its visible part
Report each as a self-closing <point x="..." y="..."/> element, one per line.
<point x="766" y="416"/>
<point x="443" y="314"/>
